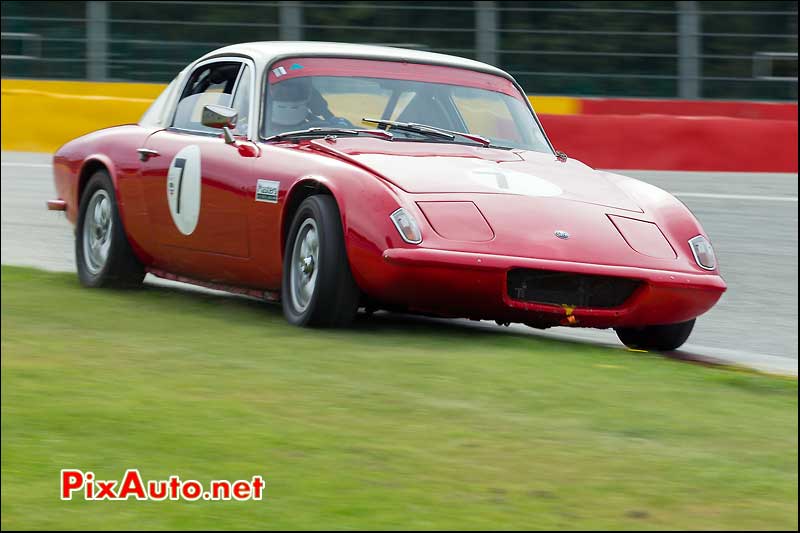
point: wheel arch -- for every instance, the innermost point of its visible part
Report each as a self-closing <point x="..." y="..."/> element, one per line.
<point x="92" y="164"/>
<point x="300" y="190"/>
<point x="88" y="168"/>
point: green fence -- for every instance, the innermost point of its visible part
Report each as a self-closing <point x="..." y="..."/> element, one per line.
<point x="705" y="49"/>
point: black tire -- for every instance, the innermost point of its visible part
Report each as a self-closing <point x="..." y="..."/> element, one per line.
<point x="658" y="338"/>
<point x="121" y="268"/>
<point x="335" y="296"/>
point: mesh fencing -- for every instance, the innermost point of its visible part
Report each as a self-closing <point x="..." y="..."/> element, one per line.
<point x="705" y="49"/>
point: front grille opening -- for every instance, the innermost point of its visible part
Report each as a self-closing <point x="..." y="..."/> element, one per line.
<point x="567" y="288"/>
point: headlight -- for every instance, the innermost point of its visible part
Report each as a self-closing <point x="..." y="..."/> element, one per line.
<point x="407" y="226"/>
<point x="703" y="252"/>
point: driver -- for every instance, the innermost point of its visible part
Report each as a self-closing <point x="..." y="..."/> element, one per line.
<point x="296" y="105"/>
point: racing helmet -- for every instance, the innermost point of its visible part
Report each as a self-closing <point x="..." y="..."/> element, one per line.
<point x="290" y="101"/>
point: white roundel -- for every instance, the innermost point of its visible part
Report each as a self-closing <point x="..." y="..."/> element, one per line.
<point x="183" y="189"/>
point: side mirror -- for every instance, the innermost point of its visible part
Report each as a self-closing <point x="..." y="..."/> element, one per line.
<point x="219" y="116"/>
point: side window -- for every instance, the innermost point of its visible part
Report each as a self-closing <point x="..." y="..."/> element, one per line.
<point x="209" y="84"/>
<point x="241" y="102"/>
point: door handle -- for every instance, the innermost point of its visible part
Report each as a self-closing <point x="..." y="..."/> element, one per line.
<point x="146" y="153"/>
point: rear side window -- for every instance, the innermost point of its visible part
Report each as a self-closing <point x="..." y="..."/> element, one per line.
<point x="156" y="115"/>
<point x="209" y="84"/>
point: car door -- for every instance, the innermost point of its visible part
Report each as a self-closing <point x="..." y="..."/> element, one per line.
<point x="194" y="182"/>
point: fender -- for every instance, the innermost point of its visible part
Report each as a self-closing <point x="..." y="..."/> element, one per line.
<point x="72" y="161"/>
<point x="674" y="218"/>
<point x="343" y="195"/>
<point x="317" y="145"/>
<point x="364" y="208"/>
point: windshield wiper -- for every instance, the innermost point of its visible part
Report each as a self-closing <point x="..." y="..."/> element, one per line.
<point x="329" y="132"/>
<point x="424" y="129"/>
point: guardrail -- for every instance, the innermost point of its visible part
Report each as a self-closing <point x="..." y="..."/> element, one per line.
<point x="764" y="63"/>
<point x="31" y="46"/>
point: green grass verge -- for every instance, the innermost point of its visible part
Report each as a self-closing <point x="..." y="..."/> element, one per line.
<point x="394" y="424"/>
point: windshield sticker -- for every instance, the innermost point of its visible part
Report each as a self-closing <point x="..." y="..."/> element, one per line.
<point x="296" y="66"/>
<point x="280" y="71"/>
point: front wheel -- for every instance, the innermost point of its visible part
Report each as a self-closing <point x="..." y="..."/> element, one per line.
<point x="658" y="338"/>
<point x="318" y="288"/>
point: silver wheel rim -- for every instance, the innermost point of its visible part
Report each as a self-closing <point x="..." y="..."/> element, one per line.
<point x="97" y="226"/>
<point x="304" y="265"/>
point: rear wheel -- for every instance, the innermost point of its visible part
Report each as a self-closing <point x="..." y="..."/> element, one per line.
<point x="318" y="288"/>
<point x="661" y="338"/>
<point x="102" y="253"/>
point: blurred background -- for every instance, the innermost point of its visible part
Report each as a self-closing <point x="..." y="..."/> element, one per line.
<point x="730" y="50"/>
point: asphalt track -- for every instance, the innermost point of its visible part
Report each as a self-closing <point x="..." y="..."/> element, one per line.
<point x="751" y="219"/>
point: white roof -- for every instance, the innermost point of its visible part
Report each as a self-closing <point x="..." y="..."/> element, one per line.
<point x="266" y="52"/>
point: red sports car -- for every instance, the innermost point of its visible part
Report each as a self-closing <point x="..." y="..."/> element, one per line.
<point x="334" y="177"/>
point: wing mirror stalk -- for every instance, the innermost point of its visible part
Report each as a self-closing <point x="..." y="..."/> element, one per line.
<point x="221" y="117"/>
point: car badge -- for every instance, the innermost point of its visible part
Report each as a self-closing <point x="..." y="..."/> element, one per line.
<point x="561" y="234"/>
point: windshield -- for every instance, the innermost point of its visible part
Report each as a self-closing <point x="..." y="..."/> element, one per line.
<point x="339" y="93"/>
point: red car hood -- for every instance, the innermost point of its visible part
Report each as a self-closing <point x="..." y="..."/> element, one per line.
<point x="452" y="168"/>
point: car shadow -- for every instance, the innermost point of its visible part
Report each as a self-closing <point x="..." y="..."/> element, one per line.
<point x="392" y="322"/>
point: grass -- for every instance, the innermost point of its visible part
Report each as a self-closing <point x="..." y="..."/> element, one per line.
<point x="396" y="423"/>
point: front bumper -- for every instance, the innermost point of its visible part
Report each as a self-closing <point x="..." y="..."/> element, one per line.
<point x="473" y="285"/>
